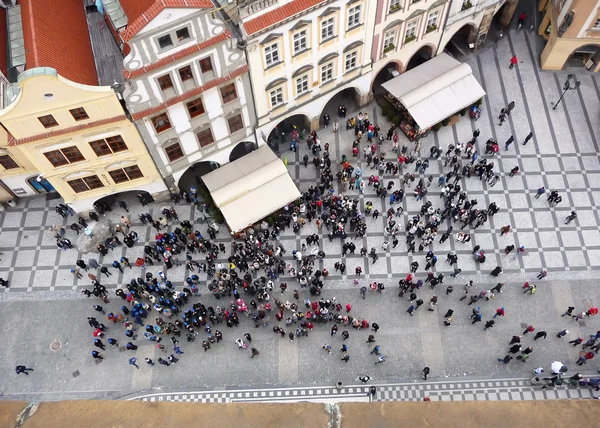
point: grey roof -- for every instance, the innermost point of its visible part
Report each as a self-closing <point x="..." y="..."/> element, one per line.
<point x="107" y="54"/>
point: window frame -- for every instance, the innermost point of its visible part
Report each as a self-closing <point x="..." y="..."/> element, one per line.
<point x="409" y="27"/>
<point x="393" y="4"/>
<point x="325" y="25"/>
<point x="354" y="20"/>
<point x="328" y="67"/>
<point x="223" y="96"/>
<point x="180" y="39"/>
<point x="272" y="56"/>
<point x="162" y="80"/>
<point x="353" y="57"/>
<point x="158" y="39"/>
<point x="129" y="173"/>
<point x="596" y="24"/>
<point x="187" y="68"/>
<point x="179" y="150"/>
<point x="304" y="79"/>
<point x="300" y="38"/>
<point x="90" y="182"/>
<point x="386" y="37"/>
<point x="277" y="94"/>
<point x="79" y="113"/>
<point x="7" y="162"/>
<point x="168" y="120"/>
<point x="435" y="13"/>
<point x="194" y="103"/>
<point x="48" y="121"/>
<point x="203" y="131"/>
<point x="235" y="118"/>
<point x="200" y="63"/>
<point x="66" y="153"/>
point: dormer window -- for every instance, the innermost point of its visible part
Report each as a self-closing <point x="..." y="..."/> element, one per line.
<point x="165" y="41"/>
<point x="182" y="34"/>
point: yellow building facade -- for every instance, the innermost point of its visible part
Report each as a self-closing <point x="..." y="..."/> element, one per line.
<point x="74" y="138"/>
<point x="572" y="31"/>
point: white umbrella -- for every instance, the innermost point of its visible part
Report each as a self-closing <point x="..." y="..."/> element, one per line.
<point x="556" y="366"/>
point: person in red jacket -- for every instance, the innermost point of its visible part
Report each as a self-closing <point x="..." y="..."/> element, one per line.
<point x="513" y="61"/>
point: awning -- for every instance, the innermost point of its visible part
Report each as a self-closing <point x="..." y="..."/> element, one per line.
<point x="250" y="188"/>
<point x="436" y="89"/>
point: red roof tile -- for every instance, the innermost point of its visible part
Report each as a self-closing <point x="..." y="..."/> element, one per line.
<point x="178" y="56"/>
<point x="3" y="45"/>
<point x="12" y="141"/>
<point x="191" y="93"/>
<point x="140" y="18"/>
<point x="56" y="35"/>
<point x="278" y="15"/>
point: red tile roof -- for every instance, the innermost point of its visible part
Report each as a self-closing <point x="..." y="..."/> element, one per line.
<point x="56" y="35"/>
<point x="139" y="17"/>
<point x="3" y="45"/>
<point x="278" y="15"/>
<point x="191" y="93"/>
<point x="178" y="56"/>
<point x="12" y="141"/>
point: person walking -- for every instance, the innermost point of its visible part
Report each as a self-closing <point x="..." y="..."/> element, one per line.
<point x="540" y="334"/>
<point x="254" y="351"/>
<point x="133" y="362"/>
<point x="516" y="348"/>
<point x="345" y="357"/>
<point x="426" y="371"/>
<point x="529" y="329"/>
<point x="506" y="359"/>
<point x="540" y="192"/>
<point x="149" y="361"/>
<point x="569" y="311"/>
<point x="22" y="369"/>
<point x="562" y="333"/>
<point x="504" y="230"/>
<point x="499" y="312"/>
<point x="489" y="324"/>
<point x="529" y="136"/>
<point x="105" y="271"/>
<point x="543" y="273"/>
<point x="509" y="142"/>
<point x="97" y="355"/>
<point x="515" y="339"/>
<point x="571" y="217"/>
<point x="513" y="62"/>
<point x="375" y="350"/>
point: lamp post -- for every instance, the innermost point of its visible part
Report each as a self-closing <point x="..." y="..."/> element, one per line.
<point x="567" y="86"/>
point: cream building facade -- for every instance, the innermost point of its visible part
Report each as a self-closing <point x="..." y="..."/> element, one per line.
<point x="572" y="31"/>
<point x="75" y="137"/>
<point x="302" y="53"/>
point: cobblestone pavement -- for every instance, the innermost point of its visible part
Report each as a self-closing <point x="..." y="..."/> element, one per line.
<point x="478" y="390"/>
<point x="562" y="156"/>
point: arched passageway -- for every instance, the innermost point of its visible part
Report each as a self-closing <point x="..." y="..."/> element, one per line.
<point x="424" y="54"/>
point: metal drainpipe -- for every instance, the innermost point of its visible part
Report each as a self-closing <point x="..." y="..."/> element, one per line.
<point x="241" y="44"/>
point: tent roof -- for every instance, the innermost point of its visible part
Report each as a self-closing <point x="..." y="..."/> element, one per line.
<point x="436" y="89"/>
<point x="250" y="188"/>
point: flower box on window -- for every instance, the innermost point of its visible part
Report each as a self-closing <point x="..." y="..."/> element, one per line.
<point x="395" y="8"/>
<point x="389" y="48"/>
<point x="466" y="5"/>
<point x="410" y="39"/>
<point x="431" y="28"/>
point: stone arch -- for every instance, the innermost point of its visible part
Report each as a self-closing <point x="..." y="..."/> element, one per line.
<point x="338" y="98"/>
<point x="422" y="55"/>
<point x="458" y="43"/>
<point x="241" y="149"/>
<point x="383" y="74"/>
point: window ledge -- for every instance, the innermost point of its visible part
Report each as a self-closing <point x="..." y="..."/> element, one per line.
<point x="354" y="27"/>
<point x="303" y="94"/>
<point x="301" y="52"/>
<point x="273" y="65"/>
<point x="328" y="39"/>
<point x="352" y="70"/>
<point x="390" y="12"/>
<point x="277" y="107"/>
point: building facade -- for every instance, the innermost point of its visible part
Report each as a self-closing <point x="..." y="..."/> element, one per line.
<point x="572" y="31"/>
<point x="405" y="30"/>
<point x="188" y="88"/>
<point x="302" y="53"/>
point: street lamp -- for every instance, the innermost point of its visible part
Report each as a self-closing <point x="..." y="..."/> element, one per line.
<point x="567" y="86"/>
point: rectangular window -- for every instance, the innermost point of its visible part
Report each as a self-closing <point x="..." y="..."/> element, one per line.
<point x="195" y="108"/>
<point x="182" y="34"/>
<point x="327" y="29"/>
<point x="64" y="156"/>
<point x="300" y="42"/>
<point x="126" y="174"/>
<point x="350" y="61"/>
<point x="161" y="122"/>
<point x="236" y="123"/>
<point x="302" y="84"/>
<point x="174" y="152"/>
<point x="205" y="137"/>
<point x="185" y="73"/>
<point x="389" y="40"/>
<point x="7" y="162"/>
<point x="596" y="24"/>
<point x="327" y="72"/>
<point x="108" y="146"/>
<point x="48" y="121"/>
<point x="354" y="16"/>
<point x="432" y="20"/>
<point x="206" y="65"/>
<point x="411" y="31"/>
<point x="272" y="54"/>
<point x="165" y="82"/>
<point x="395" y="5"/>
<point x="228" y="93"/>
<point x="165" y="41"/>
<point x="276" y="97"/>
<point x="85" y="184"/>
<point x="79" y="113"/>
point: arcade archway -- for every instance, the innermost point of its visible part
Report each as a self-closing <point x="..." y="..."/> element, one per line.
<point x="424" y="54"/>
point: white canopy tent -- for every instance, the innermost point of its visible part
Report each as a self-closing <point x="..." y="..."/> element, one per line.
<point x="250" y="188"/>
<point x="436" y="89"/>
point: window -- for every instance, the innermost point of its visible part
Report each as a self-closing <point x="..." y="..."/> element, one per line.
<point x="7" y="162"/>
<point x="228" y="93"/>
<point x="395" y="5"/>
<point x="272" y="54"/>
<point x="80" y="185"/>
<point x="64" y="156"/>
<point x="411" y="31"/>
<point x="48" y="121"/>
<point x="350" y="61"/>
<point x="432" y="20"/>
<point x="327" y="72"/>
<point x="161" y="123"/>
<point x="122" y="175"/>
<point x="165" y="41"/>
<point x="388" y="41"/>
<point x="596" y="25"/>
<point x="108" y="146"/>
<point x="205" y="137"/>
<point x="327" y="28"/>
<point x="236" y="123"/>
<point x="206" y="65"/>
<point x="174" y="152"/>
<point x="185" y="73"/>
<point x="302" y="84"/>
<point x="182" y="34"/>
<point x="354" y="16"/>
<point x="195" y="107"/>
<point x="276" y="97"/>
<point x="300" y="42"/>
<point x="79" y="113"/>
<point x="165" y="82"/>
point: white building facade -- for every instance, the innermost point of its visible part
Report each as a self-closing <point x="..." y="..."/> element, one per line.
<point x="188" y="90"/>
<point x="302" y="53"/>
